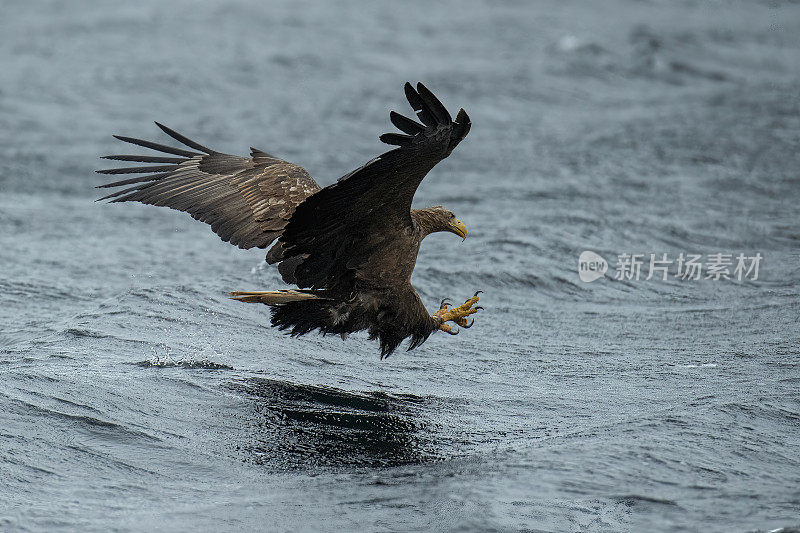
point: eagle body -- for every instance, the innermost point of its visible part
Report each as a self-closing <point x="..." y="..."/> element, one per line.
<point x="389" y="310"/>
<point x="350" y="248"/>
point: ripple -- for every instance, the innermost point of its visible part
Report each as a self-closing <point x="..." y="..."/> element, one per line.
<point x="301" y="426"/>
<point x="91" y="423"/>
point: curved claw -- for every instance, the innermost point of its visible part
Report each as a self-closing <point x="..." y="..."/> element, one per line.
<point x="477" y="293"/>
<point x="467" y="326"/>
<point x="451" y="331"/>
<point x="478" y="307"/>
<point x="445" y="303"/>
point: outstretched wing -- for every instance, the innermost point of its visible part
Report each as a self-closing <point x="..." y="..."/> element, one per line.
<point x="246" y="200"/>
<point x="340" y="227"/>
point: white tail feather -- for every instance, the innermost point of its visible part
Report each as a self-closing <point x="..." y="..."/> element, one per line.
<point x="272" y="297"/>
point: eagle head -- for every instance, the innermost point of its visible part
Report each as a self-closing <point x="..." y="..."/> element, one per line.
<point x="438" y="218"/>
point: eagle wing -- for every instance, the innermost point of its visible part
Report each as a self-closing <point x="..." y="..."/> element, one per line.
<point x="247" y="201"/>
<point x="337" y="229"/>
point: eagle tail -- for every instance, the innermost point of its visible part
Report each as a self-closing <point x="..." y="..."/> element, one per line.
<point x="273" y="297"/>
<point x="301" y="311"/>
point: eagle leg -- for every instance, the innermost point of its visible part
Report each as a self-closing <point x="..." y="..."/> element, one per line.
<point x="457" y="314"/>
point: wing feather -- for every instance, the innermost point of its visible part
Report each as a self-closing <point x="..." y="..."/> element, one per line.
<point x="145" y="158"/>
<point x="397" y="139"/>
<point x="183" y="140"/>
<point x="405" y="124"/>
<point x="137" y="179"/>
<point x="156" y="146"/>
<point x="336" y="230"/>
<point x="138" y="170"/>
<point x="246" y="201"/>
<point x="418" y="105"/>
<point x="433" y="105"/>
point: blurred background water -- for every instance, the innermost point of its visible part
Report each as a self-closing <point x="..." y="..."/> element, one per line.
<point x="135" y="396"/>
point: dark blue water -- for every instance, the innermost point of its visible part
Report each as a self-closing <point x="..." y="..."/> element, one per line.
<point x="135" y="396"/>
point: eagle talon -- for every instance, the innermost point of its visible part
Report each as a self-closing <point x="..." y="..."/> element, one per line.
<point x="477" y="293"/>
<point x="458" y="314"/>
<point x="448" y="329"/>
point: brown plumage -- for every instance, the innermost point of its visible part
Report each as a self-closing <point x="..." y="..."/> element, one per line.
<point x="350" y="248"/>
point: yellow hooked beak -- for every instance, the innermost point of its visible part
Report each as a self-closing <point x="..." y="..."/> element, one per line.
<point x="459" y="229"/>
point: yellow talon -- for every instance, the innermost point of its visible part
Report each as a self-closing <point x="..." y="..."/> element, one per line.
<point x="457" y="314"/>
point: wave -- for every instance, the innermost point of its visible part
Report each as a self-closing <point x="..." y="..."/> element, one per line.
<point x="77" y="421"/>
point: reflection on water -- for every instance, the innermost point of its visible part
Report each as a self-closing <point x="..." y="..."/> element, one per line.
<point x="297" y="426"/>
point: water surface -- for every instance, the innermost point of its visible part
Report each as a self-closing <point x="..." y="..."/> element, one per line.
<point x="135" y="395"/>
